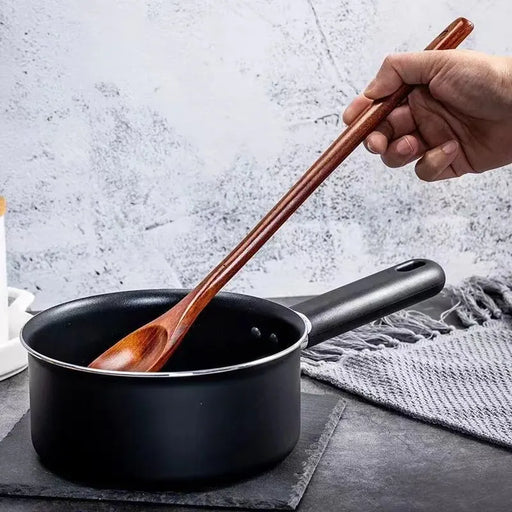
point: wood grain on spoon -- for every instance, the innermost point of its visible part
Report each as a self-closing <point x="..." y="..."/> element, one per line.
<point x="149" y="348"/>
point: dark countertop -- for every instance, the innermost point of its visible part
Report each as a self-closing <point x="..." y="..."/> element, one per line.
<point x="377" y="460"/>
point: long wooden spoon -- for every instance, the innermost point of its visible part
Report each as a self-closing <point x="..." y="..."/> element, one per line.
<point x="149" y="347"/>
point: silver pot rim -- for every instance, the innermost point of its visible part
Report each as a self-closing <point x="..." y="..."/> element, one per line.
<point x="299" y="344"/>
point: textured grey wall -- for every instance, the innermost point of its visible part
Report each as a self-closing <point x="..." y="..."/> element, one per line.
<point x="141" y="140"/>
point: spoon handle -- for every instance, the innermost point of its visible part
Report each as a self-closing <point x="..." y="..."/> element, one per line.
<point x="351" y="137"/>
<point x="150" y="346"/>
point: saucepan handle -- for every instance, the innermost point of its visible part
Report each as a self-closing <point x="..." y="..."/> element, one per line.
<point x="371" y="298"/>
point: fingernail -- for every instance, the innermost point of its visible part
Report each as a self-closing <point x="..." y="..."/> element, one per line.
<point x="369" y="87"/>
<point x="404" y="146"/>
<point x="370" y="148"/>
<point x="449" y="147"/>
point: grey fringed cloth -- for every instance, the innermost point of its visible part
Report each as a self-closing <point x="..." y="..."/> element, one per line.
<point x="458" y="378"/>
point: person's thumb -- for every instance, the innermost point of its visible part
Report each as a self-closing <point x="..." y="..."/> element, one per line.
<point x="409" y="68"/>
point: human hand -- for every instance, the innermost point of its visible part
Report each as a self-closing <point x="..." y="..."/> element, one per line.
<point x="457" y="120"/>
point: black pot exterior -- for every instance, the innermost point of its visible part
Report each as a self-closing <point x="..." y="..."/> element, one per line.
<point x="190" y="425"/>
<point x="122" y="429"/>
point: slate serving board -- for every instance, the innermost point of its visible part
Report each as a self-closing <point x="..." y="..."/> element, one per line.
<point x="282" y="487"/>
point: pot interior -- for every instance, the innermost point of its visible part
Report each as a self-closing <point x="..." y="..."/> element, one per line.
<point x="233" y="329"/>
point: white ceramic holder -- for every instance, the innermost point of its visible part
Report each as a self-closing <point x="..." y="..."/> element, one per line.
<point x="13" y="357"/>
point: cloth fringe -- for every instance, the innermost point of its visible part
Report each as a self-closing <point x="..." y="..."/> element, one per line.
<point x="476" y="301"/>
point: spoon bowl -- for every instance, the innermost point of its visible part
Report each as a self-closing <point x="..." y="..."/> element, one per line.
<point x="148" y="348"/>
<point x="135" y="351"/>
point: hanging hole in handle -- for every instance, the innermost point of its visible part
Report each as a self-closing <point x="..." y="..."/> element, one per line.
<point x="410" y="265"/>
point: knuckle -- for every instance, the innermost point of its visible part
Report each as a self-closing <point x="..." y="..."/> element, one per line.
<point x="425" y="177"/>
<point x="395" y="60"/>
<point x="389" y="58"/>
<point x="424" y="174"/>
<point x="458" y="170"/>
<point x="386" y="128"/>
<point x="391" y="162"/>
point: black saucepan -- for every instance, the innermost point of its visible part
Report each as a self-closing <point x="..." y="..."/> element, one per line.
<point x="226" y="405"/>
